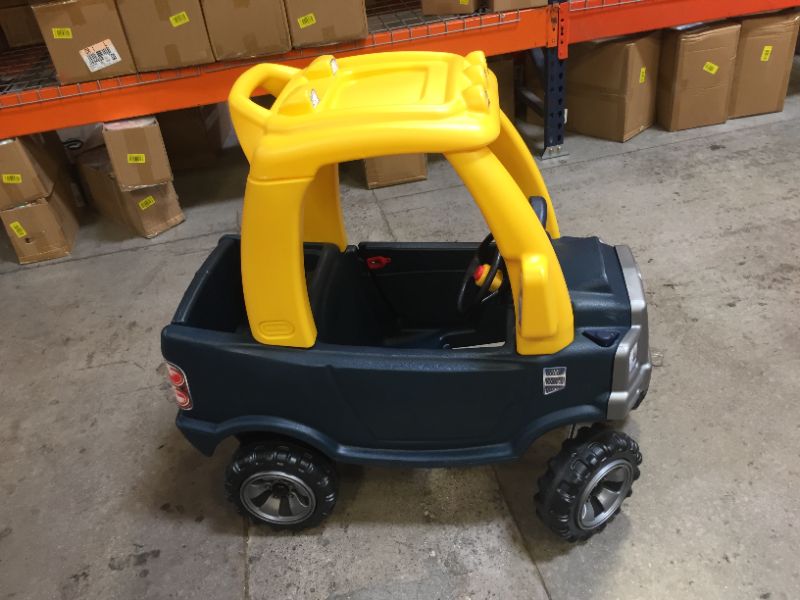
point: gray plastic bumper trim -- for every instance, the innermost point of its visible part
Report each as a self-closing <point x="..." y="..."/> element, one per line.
<point x="632" y="364"/>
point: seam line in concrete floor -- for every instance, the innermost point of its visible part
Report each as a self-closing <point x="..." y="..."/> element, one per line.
<point x="522" y="540"/>
<point x="392" y="234"/>
<point x="246" y="544"/>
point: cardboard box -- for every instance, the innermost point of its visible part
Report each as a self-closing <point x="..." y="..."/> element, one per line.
<point x="85" y="39"/>
<point x="695" y="75"/>
<point x="137" y="152"/>
<point x="502" y="5"/>
<point x="319" y="22"/>
<point x="503" y="68"/>
<point x="763" y="64"/>
<point x="19" y="26"/>
<point x="245" y="28"/>
<point x="192" y="137"/>
<point x="29" y="166"/>
<point x="147" y="211"/>
<point x="165" y="34"/>
<point x="611" y="87"/>
<point x="394" y="169"/>
<point x="45" y="228"/>
<point x="449" y="7"/>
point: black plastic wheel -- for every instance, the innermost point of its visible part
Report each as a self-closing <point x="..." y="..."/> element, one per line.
<point x="587" y="481"/>
<point x="281" y="484"/>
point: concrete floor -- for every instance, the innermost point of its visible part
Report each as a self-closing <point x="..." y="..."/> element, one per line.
<point x="101" y="498"/>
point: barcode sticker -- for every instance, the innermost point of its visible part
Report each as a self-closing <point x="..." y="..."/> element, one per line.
<point x="137" y="159"/>
<point x="643" y="75"/>
<point x="307" y="20"/>
<point x="766" y="53"/>
<point x="100" y="55"/>
<point x="13" y="178"/>
<point x="18" y="229"/>
<point x="710" y="67"/>
<point x="179" y="19"/>
<point x="62" y="33"/>
<point x="146" y="203"/>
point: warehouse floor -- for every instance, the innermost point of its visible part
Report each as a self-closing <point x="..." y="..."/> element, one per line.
<point x="100" y="497"/>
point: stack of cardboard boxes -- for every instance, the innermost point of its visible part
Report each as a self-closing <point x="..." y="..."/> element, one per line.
<point x="681" y="78"/>
<point x="129" y="180"/>
<point x="37" y="201"/>
<point x="96" y="39"/>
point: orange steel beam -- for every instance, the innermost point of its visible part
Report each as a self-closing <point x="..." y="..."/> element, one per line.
<point x="136" y="95"/>
<point x="605" y="18"/>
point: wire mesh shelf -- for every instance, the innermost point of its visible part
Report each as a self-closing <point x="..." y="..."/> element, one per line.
<point x="27" y="75"/>
<point x="576" y="5"/>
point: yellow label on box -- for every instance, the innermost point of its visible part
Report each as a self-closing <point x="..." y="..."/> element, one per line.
<point x="146" y="203"/>
<point x="710" y="67"/>
<point x="307" y="20"/>
<point x="62" y="33"/>
<point x="464" y="2"/>
<point x="137" y="159"/>
<point x="766" y="53"/>
<point x="18" y="229"/>
<point x="643" y="75"/>
<point x="12" y="178"/>
<point x="179" y="19"/>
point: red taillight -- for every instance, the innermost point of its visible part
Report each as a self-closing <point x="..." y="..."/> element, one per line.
<point x="180" y="386"/>
<point x="176" y="376"/>
<point x="183" y="400"/>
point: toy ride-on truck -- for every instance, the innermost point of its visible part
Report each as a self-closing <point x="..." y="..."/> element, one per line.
<point x="314" y="352"/>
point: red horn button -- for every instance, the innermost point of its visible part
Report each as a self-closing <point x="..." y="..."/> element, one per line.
<point x="478" y="272"/>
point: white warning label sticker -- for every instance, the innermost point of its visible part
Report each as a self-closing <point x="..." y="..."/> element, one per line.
<point x="100" y="55"/>
<point x="554" y="379"/>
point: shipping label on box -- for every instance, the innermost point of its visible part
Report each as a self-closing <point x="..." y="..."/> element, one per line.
<point x="100" y="56"/>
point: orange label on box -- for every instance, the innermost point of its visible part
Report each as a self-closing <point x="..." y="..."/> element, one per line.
<point x="179" y="19"/>
<point x="12" y="178"/>
<point x="137" y="159"/>
<point x="643" y="75"/>
<point x="307" y="20"/>
<point x="710" y="67"/>
<point x="62" y="33"/>
<point x="18" y="229"/>
<point x="766" y="53"/>
<point x="146" y="203"/>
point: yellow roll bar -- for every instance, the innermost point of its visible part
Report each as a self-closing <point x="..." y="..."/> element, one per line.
<point x="374" y="105"/>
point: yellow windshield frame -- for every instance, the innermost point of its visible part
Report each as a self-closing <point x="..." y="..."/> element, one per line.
<point x="374" y="105"/>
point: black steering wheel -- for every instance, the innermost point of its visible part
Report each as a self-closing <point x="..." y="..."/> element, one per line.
<point x="472" y="295"/>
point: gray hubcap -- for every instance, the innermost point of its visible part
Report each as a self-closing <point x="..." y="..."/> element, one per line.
<point x="278" y="497"/>
<point x="604" y="494"/>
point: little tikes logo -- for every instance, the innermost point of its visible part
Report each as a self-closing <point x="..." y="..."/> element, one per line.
<point x="554" y="379"/>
